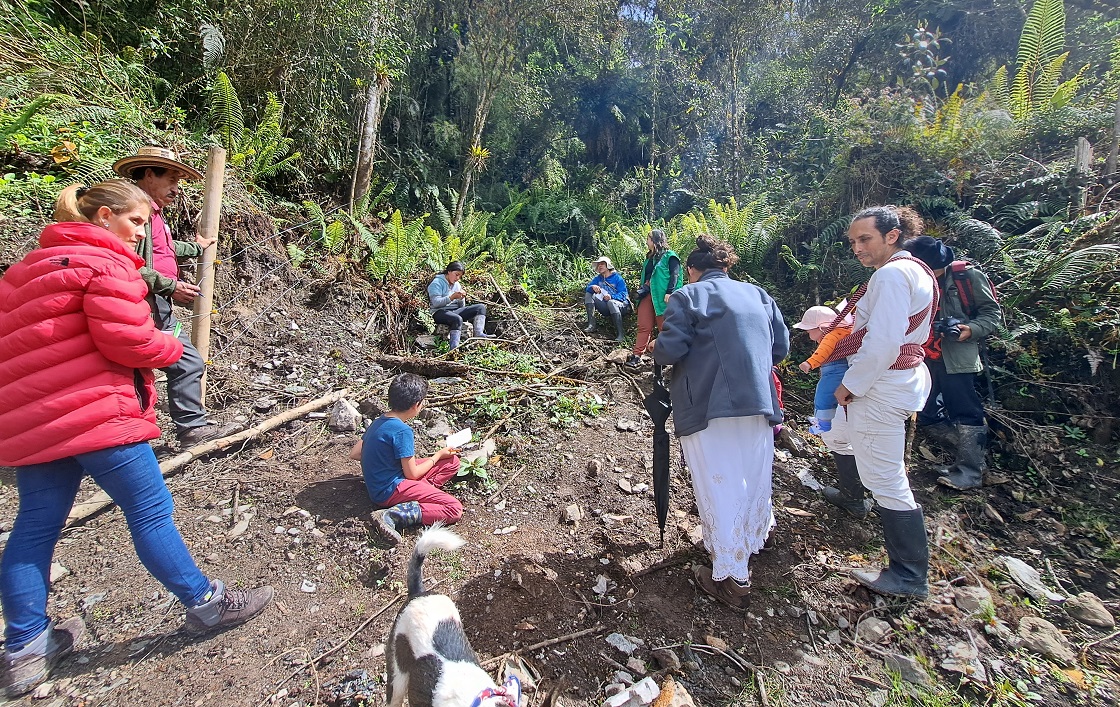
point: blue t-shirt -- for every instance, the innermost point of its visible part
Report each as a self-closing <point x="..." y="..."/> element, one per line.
<point x="385" y="443"/>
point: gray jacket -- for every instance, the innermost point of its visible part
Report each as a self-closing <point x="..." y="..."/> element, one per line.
<point x="723" y="338"/>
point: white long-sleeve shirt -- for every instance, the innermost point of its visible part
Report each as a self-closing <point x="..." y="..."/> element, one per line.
<point x="896" y="291"/>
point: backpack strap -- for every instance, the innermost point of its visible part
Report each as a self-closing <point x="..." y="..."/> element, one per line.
<point x="958" y="269"/>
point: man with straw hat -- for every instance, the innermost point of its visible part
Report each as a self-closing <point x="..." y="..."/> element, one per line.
<point x="158" y="171"/>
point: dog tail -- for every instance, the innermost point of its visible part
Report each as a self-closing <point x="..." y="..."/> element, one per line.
<point x="436" y="537"/>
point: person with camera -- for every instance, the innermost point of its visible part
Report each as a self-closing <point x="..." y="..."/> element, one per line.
<point x="661" y="276"/>
<point x="968" y="313"/>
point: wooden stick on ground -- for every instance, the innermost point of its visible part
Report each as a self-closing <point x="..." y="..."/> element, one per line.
<point x="543" y="644"/>
<point x="503" y="486"/>
<point x="514" y="313"/>
<point x="100" y="500"/>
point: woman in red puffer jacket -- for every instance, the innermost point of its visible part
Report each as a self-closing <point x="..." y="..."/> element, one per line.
<point x="77" y="345"/>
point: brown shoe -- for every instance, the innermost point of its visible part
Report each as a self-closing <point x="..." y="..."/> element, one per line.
<point x="227" y="608"/>
<point x="24" y="673"/>
<point x="197" y="435"/>
<point x="726" y="590"/>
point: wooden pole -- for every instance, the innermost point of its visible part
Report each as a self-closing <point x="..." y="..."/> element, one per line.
<point x="1114" y="153"/>
<point x="1083" y="165"/>
<point x="100" y="500"/>
<point x="205" y="274"/>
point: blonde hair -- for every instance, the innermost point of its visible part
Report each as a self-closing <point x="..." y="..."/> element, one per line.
<point x="78" y="202"/>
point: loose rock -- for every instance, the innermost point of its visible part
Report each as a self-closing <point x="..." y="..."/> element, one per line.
<point x="971" y="599"/>
<point x="344" y="417"/>
<point x="1042" y="637"/>
<point x="667" y="659"/>
<point x="908" y="668"/>
<point x="1088" y="609"/>
<point x="872" y="629"/>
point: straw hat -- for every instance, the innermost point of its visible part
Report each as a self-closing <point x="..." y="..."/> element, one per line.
<point x="155" y="156"/>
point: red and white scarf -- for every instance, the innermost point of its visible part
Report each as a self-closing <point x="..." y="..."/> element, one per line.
<point x="909" y="355"/>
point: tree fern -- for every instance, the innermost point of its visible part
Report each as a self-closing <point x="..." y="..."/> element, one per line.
<point x="213" y="45"/>
<point x="402" y="249"/>
<point x="226" y="117"/>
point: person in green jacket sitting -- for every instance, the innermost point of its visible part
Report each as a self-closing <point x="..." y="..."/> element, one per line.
<point x="661" y="276"/>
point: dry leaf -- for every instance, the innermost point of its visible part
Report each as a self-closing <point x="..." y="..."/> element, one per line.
<point x="266" y="454"/>
<point x="798" y="512"/>
<point x="525" y="626"/>
<point x="924" y="451"/>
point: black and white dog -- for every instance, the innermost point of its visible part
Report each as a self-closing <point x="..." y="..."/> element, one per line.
<point x="428" y="658"/>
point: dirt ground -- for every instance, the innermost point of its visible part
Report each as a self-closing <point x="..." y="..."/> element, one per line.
<point x="528" y="574"/>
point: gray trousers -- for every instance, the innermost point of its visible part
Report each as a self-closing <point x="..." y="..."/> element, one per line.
<point x="184" y="377"/>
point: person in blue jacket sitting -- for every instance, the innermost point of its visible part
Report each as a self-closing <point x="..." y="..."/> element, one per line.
<point x="607" y="294"/>
<point x="449" y="305"/>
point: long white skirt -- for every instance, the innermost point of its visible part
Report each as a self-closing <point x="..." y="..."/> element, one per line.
<point x="732" y="463"/>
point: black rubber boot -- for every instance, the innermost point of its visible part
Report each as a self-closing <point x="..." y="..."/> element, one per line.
<point x="590" y="317"/>
<point x="904" y="533"/>
<point x="389" y="522"/>
<point x="940" y="432"/>
<point x="968" y="472"/>
<point x="620" y="331"/>
<point x="850" y="494"/>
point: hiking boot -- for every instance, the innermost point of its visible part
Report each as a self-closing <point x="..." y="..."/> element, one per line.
<point x="193" y="436"/>
<point x="226" y="607"/>
<point x="633" y="361"/>
<point x="727" y="591"/>
<point x="30" y="666"/>
<point x="389" y="522"/>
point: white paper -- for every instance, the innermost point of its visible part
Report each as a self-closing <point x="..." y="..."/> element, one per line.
<point x="458" y="439"/>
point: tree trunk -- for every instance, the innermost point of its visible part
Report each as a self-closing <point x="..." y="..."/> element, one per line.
<point x="367" y="142"/>
<point x="481" y="113"/>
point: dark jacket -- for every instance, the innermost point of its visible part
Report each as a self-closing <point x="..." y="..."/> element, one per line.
<point x="723" y="338"/>
<point x="964" y="356"/>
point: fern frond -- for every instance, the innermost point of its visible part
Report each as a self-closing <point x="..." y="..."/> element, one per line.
<point x="318" y="220"/>
<point x="1044" y="35"/>
<point x="1000" y="89"/>
<point x="296" y="254"/>
<point x="213" y="45"/>
<point x="334" y="236"/>
<point x="226" y="116"/>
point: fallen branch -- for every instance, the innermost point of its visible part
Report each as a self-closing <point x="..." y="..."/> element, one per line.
<point x="101" y="500"/>
<point x="1085" y="649"/>
<point x="311" y="663"/>
<point x="671" y="562"/>
<point x="514" y="313"/>
<point x="503" y="486"/>
<point x="543" y="644"/>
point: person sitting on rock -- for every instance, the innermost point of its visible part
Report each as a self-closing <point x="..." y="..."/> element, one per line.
<point x="607" y="294"/>
<point x="449" y="304"/>
<point x="406" y="490"/>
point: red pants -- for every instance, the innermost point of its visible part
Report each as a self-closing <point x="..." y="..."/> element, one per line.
<point x="435" y="505"/>
<point x="646" y="319"/>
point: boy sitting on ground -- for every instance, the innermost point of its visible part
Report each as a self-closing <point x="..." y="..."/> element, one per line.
<point x="405" y="489"/>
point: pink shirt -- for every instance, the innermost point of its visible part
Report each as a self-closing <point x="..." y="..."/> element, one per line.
<point x="163" y="250"/>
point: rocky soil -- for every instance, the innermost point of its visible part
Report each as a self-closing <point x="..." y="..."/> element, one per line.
<point x="563" y="577"/>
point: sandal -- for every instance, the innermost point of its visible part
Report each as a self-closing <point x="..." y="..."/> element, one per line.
<point x="727" y="591"/>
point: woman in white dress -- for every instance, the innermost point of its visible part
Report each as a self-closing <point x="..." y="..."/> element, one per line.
<point x="723" y="337"/>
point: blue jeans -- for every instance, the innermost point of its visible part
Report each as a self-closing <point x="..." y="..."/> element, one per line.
<point x="832" y="375"/>
<point x="131" y="477"/>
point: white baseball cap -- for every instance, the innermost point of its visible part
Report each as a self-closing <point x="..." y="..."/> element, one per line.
<point x="816" y="318"/>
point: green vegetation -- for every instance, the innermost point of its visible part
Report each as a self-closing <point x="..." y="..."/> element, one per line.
<point x="390" y="140"/>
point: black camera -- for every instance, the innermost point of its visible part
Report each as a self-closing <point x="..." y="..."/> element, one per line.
<point x="948" y="328"/>
<point x="642" y="292"/>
